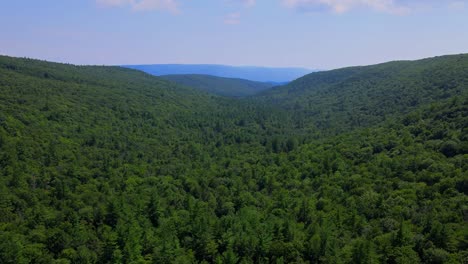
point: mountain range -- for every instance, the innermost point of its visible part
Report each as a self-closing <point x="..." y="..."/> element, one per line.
<point x="231" y="87"/>
<point x="106" y="164"/>
<point x="259" y="74"/>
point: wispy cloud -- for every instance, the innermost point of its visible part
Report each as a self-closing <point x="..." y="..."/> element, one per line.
<point x="457" y="5"/>
<point x="248" y="3"/>
<point x="143" y="5"/>
<point x="112" y="2"/>
<point x="245" y="3"/>
<point x="232" y="19"/>
<point x="395" y="7"/>
<point x="342" y="6"/>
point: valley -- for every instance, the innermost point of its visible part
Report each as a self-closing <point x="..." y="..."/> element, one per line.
<point x="102" y="164"/>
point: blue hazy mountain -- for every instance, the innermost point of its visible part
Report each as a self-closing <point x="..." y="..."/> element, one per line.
<point x="259" y="74"/>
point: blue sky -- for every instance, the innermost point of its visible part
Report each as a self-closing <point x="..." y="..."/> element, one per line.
<point x="318" y="34"/>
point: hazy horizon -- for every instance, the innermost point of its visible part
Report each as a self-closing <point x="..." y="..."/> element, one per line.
<point x="307" y="34"/>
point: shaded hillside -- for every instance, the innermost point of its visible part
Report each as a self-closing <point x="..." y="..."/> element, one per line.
<point x="258" y="74"/>
<point x="363" y="96"/>
<point x="111" y="165"/>
<point x="219" y="85"/>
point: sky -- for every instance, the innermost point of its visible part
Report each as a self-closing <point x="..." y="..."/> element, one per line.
<point x="316" y="34"/>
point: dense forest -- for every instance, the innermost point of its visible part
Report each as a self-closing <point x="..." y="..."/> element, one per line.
<point x="112" y="165"/>
<point x="232" y="87"/>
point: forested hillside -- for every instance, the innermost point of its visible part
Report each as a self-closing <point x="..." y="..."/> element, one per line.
<point x="353" y="97"/>
<point x="112" y="165"/>
<point x="218" y="85"/>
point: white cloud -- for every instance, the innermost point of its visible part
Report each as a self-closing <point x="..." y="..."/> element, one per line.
<point x="342" y="6"/>
<point x="396" y="7"/>
<point x="245" y="3"/>
<point x="143" y="5"/>
<point x="232" y="19"/>
<point x="457" y="5"/>
<point x="248" y="3"/>
<point x="112" y="2"/>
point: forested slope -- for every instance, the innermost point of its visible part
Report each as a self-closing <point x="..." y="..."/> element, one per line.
<point x="353" y="97"/>
<point x="110" y="165"/>
<point x="218" y="85"/>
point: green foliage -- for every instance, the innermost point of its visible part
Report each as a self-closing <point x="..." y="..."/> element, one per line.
<point x="339" y="100"/>
<point x="231" y="87"/>
<point x="110" y="165"/>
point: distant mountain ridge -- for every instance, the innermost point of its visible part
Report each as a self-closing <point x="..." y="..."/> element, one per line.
<point x="231" y="87"/>
<point x="105" y="164"/>
<point x="259" y="74"/>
